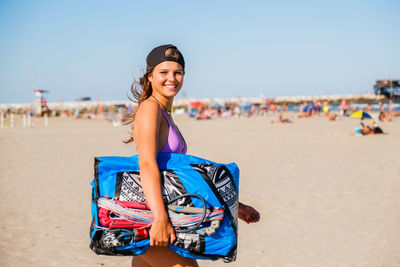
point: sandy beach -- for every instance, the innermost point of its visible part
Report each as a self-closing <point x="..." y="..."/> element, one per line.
<point x="326" y="198"/>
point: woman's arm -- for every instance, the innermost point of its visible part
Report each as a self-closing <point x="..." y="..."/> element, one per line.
<point x="146" y="130"/>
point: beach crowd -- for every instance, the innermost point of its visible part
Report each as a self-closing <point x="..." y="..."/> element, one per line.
<point x="381" y="111"/>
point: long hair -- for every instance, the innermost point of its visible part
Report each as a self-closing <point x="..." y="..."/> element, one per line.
<point x="142" y="89"/>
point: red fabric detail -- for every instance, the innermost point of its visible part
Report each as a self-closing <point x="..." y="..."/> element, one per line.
<point x="114" y="223"/>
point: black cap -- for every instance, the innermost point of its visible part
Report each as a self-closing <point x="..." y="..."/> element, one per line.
<point x="157" y="55"/>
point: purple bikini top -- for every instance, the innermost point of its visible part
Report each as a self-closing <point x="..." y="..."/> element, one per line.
<point x="175" y="143"/>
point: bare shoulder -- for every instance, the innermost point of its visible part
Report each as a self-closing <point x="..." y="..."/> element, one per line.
<point x="147" y="119"/>
<point x="148" y="109"/>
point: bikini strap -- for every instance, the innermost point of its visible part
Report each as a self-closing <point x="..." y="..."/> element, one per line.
<point x="165" y="116"/>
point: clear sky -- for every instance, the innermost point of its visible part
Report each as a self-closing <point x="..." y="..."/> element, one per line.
<point x="231" y="48"/>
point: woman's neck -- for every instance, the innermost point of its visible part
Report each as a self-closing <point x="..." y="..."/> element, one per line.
<point x="165" y="103"/>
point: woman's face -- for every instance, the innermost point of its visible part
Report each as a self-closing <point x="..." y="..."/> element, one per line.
<point x="167" y="79"/>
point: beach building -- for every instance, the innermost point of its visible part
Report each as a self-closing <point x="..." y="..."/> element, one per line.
<point x="388" y="88"/>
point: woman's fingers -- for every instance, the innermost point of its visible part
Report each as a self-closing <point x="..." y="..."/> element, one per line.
<point x="161" y="234"/>
<point x="248" y="214"/>
<point x="172" y="237"/>
<point x="253" y="215"/>
<point x="158" y="243"/>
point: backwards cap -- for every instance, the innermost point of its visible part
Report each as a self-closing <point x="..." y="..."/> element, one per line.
<point x="157" y="55"/>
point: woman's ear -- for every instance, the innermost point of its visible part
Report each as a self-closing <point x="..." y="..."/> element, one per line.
<point x="150" y="77"/>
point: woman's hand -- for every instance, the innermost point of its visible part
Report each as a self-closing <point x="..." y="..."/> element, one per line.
<point x="161" y="232"/>
<point x="248" y="213"/>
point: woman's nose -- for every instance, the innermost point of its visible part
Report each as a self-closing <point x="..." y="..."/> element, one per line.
<point x="171" y="76"/>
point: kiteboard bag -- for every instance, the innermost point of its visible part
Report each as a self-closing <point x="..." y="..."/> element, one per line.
<point x="201" y="199"/>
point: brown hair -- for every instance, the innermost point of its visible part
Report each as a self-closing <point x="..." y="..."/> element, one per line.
<point x="142" y="90"/>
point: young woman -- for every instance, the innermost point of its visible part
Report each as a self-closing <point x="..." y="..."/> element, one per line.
<point x="155" y="131"/>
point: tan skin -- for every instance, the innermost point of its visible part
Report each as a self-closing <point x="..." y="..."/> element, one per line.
<point x="150" y="134"/>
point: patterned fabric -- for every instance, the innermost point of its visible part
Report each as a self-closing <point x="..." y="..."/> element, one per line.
<point x="118" y="178"/>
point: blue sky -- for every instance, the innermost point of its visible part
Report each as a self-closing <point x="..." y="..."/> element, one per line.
<point x="231" y="48"/>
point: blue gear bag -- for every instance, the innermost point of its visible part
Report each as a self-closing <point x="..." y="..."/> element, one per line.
<point x="118" y="178"/>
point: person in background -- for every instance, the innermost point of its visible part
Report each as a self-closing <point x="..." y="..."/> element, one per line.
<point x="390" y="107"/>
<point x="304" y="111"/>
<point x="381" y="106"/>
<point x="281" y="120"/>
<point x="343" y="107"/>
<point x="384" y="116"/>
<point x="368" y="108"/>
<point x="367" y="130"/>
<point x="325" y="108"/>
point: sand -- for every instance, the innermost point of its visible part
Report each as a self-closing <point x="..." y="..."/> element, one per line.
<point x="326" y="198"/>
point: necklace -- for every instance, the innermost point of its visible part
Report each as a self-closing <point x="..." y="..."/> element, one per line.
<point x="166" y="110"/>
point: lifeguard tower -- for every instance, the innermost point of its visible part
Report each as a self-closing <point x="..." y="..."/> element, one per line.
<point x="389" y="88"/>
<point x="40" y="104"/>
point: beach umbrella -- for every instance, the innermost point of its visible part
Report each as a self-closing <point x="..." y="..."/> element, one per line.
<point x="360" y="114"/>
<point x="197" y="104"/>
<point x="245" y="104"/>
<point x="216" y="105"/>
